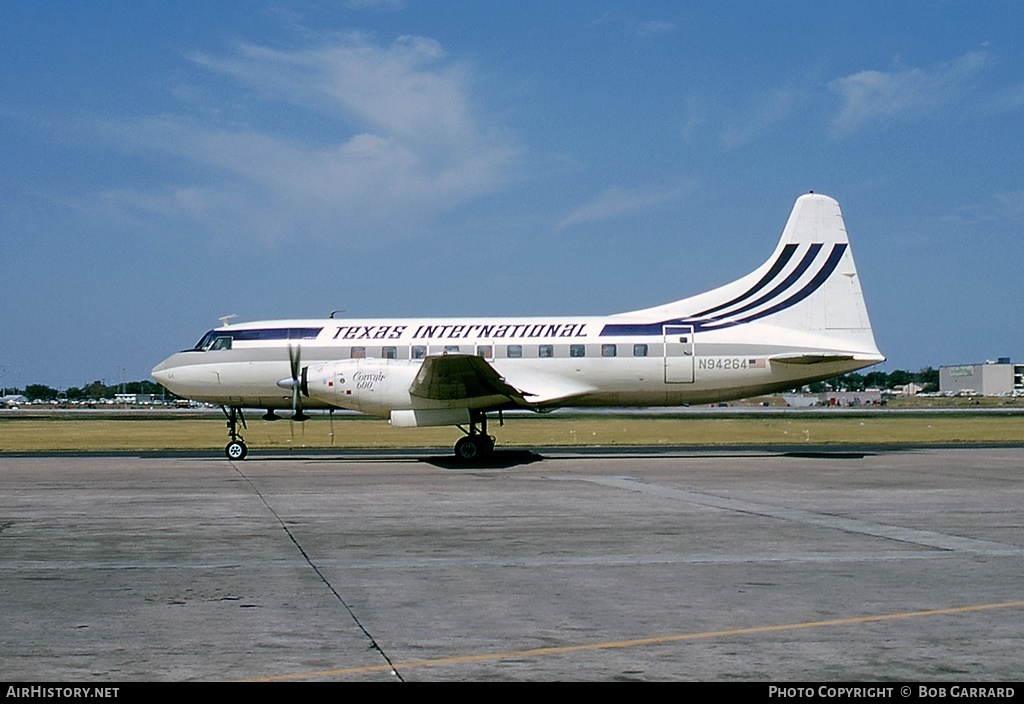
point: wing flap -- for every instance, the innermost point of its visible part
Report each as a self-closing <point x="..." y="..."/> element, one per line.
<point x="539" y="389"/>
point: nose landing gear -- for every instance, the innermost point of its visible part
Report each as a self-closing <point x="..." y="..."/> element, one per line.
<point x="236" y="449"/>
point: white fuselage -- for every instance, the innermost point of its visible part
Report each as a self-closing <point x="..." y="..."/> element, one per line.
<point x="560" y="361"/>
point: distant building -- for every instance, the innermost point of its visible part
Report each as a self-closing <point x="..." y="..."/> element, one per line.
<point x="910" y="389"/>
<point x="1000" y="378"/>
<point x="12" y="400"/>
<point x="868" y="397"/>
<point x="800" y="400"/>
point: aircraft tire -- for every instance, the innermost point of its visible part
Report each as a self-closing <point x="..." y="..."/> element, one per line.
<point x="236" y="450"/>
<point x="472" y="447"/>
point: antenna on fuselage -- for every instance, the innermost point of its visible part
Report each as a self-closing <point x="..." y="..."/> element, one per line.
<point x="340" y="310"/>
<point x="224" y="319"/>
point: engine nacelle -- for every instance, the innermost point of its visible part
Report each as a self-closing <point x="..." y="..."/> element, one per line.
<point x="374" y="386"/>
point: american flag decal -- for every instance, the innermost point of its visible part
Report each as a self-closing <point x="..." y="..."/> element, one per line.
<point x="755" y="363"/>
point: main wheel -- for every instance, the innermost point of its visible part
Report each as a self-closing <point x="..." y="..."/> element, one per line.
<point x="470" y="447"/>
<point x="236" y="450"/>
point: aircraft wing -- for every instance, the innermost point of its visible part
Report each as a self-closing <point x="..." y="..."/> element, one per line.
<point x="459" y="376"/>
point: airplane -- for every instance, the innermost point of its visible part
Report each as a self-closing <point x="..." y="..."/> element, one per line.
<point x="798" y="318"/>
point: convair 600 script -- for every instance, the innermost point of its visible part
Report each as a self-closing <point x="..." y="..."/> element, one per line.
<point x="798" y="318"/>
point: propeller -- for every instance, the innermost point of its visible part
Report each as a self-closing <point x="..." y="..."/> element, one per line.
<point x="296" y="382"/>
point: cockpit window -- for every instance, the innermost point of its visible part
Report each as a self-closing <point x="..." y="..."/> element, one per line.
<point x="205" y="341"/>
<point x="222" y="339"/>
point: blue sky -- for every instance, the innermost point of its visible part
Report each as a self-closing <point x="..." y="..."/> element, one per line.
<point x="165" y="164"/>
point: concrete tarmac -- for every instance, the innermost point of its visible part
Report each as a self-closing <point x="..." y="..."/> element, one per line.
<point x="770" y="565"/>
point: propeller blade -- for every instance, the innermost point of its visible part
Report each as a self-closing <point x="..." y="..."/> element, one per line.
<point x="295" y="363"/>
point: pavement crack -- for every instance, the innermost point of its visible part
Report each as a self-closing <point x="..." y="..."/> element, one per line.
<point x="374" y="645"/>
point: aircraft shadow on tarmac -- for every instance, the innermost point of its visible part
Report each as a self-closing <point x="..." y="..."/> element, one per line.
<point x="828" y="455"/>
<point x="507" y="459"/>
<point x="499" y="459"/>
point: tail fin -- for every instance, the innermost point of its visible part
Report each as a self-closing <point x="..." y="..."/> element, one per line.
<point x="809" y="284"/>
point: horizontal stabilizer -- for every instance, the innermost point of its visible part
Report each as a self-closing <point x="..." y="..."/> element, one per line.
<point x="811" y="358"/>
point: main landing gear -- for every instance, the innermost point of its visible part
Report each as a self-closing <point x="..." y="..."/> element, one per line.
<point x="476" y="444"/>
<point x="236" y="449"/>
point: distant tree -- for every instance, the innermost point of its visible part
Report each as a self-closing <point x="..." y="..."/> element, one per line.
<point x="40" y="392"/>
<point x="876" y="380"/>
<point x="144" y="387"/>
<point x="899" y="377"/>
<point x="927" y="379"/>
<point x="98" y="390"/>
<point x="852" y="382"/>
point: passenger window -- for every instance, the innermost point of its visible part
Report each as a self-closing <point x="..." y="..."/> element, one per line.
<point x="389" y="352"/>
<point x="640" y="350"/>
<point x="451" y="349"/>
<point x="608" y="350"/>
<point x="419" y="351"/>
<point x="485" y="351"/>
<point x="546" y="351"/>
<point x="515" y="350"/>
<point x="358" y="352"/>
<point x="577" y="351"/>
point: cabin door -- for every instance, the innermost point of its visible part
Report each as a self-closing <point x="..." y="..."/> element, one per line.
<point x="678" y="354"/>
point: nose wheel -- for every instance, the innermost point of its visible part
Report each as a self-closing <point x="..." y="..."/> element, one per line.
<point x="236" y="449"/>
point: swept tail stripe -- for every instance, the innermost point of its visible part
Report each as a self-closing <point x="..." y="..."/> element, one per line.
<point x="814" y="284"/>
<point x="804" y="264"/>
<point x="701" y="324"/>
<point x="787" y="254"/>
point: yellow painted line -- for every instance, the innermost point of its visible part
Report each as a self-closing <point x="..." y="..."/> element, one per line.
<point x="635" y="642"/>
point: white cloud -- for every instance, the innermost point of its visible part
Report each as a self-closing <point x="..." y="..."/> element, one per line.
<point x="615" y="202"/>
<point x="1010" y="203"/>
<point x="909" y="93"/>
<point x="407" y="88"/>
<point x="383" y="5"/>
<point x="653" y="28"/>
<point x="402" y="144"/>
<point x="767" y="109"/>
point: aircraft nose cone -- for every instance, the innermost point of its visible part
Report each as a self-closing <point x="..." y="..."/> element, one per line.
<point x="160" y="372"/>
